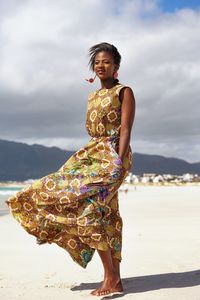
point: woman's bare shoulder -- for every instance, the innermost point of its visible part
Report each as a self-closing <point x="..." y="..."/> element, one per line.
<point x="126" y="92"/>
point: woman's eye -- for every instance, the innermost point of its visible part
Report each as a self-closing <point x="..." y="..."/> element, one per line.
<point x="104" y="62"/>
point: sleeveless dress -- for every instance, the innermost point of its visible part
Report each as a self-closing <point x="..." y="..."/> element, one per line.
<point x="76" y="207"/>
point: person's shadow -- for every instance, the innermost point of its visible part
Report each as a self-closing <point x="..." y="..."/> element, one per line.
<point x="142" y="284"/>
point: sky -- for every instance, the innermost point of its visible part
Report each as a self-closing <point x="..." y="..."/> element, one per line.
<point x="173" y="5"/>
<point x="44" y="63"/>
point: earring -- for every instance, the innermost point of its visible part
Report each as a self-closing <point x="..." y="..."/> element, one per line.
<point x="91" y="80"/>
<point x="115" y="75"/>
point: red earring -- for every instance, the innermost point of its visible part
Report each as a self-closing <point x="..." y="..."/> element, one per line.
<point x="91" y="80"/>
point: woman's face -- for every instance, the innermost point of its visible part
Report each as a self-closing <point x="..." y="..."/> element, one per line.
<point x="104" y="65"/>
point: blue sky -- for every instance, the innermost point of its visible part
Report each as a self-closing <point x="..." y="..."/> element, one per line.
<point x="173" y="5"/>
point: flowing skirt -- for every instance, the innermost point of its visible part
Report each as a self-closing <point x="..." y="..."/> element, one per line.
<point x="77" y="206"/>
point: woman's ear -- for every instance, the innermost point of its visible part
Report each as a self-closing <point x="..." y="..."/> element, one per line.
<point x="116" y="68"/>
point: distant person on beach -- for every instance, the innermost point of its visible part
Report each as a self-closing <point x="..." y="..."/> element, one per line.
<point x="77" y="206"/>
<point x="126" y="188"/>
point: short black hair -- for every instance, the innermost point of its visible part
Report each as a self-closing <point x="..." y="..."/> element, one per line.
<point x="104" y="47"/>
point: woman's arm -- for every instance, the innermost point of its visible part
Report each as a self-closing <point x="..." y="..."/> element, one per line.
<point x="127" y="117"/>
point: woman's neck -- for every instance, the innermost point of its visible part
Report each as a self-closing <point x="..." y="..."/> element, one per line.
<point x="108" y="83"/>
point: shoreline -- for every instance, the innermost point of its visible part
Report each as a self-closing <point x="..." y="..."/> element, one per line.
<point x="23" y="184"/>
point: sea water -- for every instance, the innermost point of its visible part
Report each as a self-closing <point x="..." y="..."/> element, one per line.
<point x="5" y="193"/>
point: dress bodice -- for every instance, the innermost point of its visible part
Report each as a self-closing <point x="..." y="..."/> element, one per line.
<point x="104" y="112"/>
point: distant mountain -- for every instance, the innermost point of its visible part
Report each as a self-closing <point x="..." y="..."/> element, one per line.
<point x="148" y="163"/>
<point x="19" y="161"/>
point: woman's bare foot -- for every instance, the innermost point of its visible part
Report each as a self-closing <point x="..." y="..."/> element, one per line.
<point x="94" y="292"/>
<point x="112" y="281"/>
<point x="110" y="285"/>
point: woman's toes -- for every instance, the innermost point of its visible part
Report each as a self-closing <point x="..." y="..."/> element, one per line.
<point x="103" y="292"/>
<point x="94" y="292"/>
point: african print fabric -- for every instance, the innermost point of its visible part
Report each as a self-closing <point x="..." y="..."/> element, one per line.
<point x="76" y="207"/>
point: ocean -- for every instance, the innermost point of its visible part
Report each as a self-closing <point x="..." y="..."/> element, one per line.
<point x="6" y="192"/>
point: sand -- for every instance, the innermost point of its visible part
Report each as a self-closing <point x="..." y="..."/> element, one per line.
<point x="160" y="257"/>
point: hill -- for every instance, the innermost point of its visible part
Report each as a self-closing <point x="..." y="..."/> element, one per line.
<point x="20" y="161"/>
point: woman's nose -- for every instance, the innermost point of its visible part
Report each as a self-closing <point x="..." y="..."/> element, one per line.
<point x="100" y="64"/>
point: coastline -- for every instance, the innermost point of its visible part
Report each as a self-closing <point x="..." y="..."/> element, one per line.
<point x="23" y="184"/>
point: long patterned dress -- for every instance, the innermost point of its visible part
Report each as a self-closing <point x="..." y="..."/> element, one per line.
<point x="77" y="206"/>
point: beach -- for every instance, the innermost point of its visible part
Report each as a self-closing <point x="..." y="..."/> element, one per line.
<point x="160" y="252"/>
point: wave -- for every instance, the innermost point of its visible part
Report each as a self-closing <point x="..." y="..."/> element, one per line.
<point x="8" y="192"/>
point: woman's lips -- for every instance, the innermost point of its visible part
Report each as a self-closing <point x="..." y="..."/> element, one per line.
<point x="100" y="72"/>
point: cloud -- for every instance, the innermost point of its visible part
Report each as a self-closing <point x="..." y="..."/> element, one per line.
<point x="44" y="63"/>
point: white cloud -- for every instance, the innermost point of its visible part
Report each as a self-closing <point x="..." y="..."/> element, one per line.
<point x="44" y="57"/>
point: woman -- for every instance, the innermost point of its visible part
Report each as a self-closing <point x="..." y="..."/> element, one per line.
<point x="77" y="206"/>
